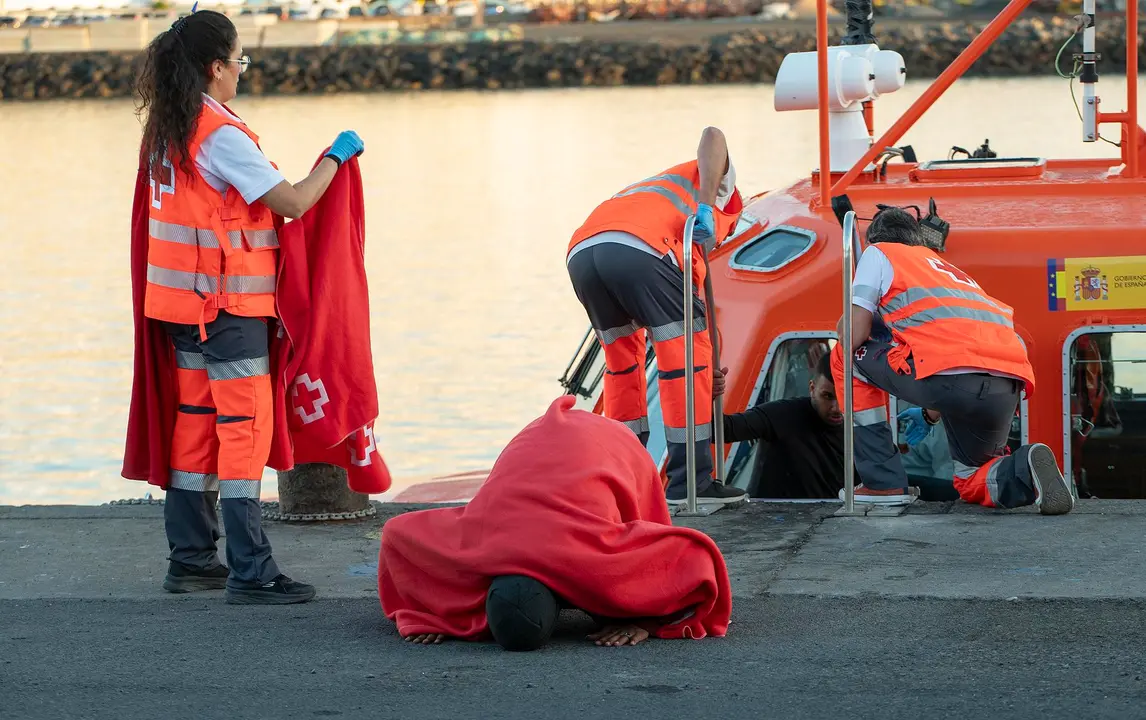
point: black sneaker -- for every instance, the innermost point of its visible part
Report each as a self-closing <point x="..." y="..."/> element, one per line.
<point x="183" y="579"/>
<point x="280" y="591"/>
<point x="716" y="493"/>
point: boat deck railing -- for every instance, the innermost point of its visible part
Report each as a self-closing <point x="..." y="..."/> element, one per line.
<point x="851" y="252"/>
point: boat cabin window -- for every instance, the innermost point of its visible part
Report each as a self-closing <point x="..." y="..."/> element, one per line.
<point x="787" y="372"/>
<point x="774" y="249"/>
<point x="1106" y="394"/>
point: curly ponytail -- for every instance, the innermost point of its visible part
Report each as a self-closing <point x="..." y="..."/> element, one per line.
<point x="174" y="76"/>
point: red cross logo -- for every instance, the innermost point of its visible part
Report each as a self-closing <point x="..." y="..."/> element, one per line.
<point x="166" y="183"/>
<point x="362" y="439"/>
<point x="314" y="397"/>
<point x="861" y="353"/>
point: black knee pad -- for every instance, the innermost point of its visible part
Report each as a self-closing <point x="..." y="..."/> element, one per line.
<point x="522" y="612"/>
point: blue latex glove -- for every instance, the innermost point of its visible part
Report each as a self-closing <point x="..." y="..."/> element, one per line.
<point x="705" y="227"/>
<point x="345" y="146"/>
<point x="917" y="426"/>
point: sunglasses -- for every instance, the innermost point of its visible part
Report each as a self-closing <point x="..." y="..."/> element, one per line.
<point x="244" y="62"/>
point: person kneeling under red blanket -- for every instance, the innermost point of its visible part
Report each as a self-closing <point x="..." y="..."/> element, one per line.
<point x="573" y="515"/>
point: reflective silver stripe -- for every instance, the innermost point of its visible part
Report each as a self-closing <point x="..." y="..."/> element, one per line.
<point x="679" y="180"/>
<point x="205" y="237"/>
<point x="262" y="238"/>
<point x="183" y="280"/>
<point x="612" y="335"/>
<point x="250" y="283"/>
<point x="640" y="425"/>
<point x="235" y="489"/>
<point x="182" y="234"/>
<point x="873" y="416"/>
<point x="677" y="435"/>
<point x="251" y="367"/>
<point x="866" y="292"/>
<point x="915" y="294"/>
<point x="992" y="481"/>
<point x="681" y="206"/>
<point x="951" y="312"/>
<point x="673" y="330"/>
<point x="964" y="472"/>
<point x="190" y="360"/>
<point x="197" y="482"/>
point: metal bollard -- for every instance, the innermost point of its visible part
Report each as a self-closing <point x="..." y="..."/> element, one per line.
<point x="850" y="245"/>
<point x="689" y="379"/>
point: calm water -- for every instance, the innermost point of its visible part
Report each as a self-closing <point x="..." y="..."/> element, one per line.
<point x="471" y="199"/>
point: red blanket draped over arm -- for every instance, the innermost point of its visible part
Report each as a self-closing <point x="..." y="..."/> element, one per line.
<point x="575" y="502"/>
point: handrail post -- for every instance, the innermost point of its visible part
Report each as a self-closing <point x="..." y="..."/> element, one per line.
<point x="1131" y="138"/>
<point x="822" y="102"/>
<point x="689" y="376"/>
<point x="850" y="241"/>
<point x="714" y="340"/>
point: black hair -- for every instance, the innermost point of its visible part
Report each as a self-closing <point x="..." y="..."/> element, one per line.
<point x="824" y="368"/>
<point x="172" y="80"/>
<point x="894" y="225"/>
<point x="521" y="612"/>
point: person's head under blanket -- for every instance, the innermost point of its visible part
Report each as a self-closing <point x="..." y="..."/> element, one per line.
<point x="572" y="515"/>
<point x="521" y="612"/>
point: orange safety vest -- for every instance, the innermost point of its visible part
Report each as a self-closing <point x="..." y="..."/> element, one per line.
<point x="655" y="210"/>
<point x="191" y="275"/>
<point x="944" y="319"/>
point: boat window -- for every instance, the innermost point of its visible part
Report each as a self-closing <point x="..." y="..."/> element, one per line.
<point x="774" y="249"/>
<point x="1106" y="391"/>
<point x="787" y="374"/>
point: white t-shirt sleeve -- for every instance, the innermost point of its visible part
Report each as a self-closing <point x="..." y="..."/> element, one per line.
<point x="229" y="158"/>
<point x="727" y="185"/>
<point x="873" y="278"/>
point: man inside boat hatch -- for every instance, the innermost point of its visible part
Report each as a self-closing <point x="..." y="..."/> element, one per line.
<point x="625" y="264"/>
<point x="942" y="343"/>
<point x="804" y="452"/>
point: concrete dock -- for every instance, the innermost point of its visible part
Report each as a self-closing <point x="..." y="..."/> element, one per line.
<point x="946" y="610"/>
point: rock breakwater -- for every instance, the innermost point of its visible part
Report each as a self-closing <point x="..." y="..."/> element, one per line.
<point x="1027" y="48"/>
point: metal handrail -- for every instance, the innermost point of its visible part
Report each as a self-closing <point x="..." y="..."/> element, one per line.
<point x="714" y="340"/>
<point x="851" y="245"/>
<point x="689" y="379"/>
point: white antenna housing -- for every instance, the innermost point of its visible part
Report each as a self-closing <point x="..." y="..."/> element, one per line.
<point x="856" y="73"/>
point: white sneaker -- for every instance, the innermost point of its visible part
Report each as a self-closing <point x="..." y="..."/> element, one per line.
<point x="869" y="497"/>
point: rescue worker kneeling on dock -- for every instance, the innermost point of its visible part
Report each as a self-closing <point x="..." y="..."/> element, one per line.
<point x="625" y="265"/>
<point x="211" y="248"/>
<point x="942" y="343"/>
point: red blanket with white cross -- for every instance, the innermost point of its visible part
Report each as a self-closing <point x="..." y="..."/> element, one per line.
<point x="575" y="502"/>
<point x="322" y="372"/>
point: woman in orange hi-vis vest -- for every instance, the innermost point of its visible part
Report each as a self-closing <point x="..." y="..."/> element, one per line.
<point x="625" y="264"/>
<point x="212" y="254"/>
<point x="942" y="343"/>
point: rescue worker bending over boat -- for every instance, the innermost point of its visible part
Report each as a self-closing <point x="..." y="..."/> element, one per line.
<point x="210" y="280"/>
<point x="625" y="265"/>
<point x="944" y="344"/>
